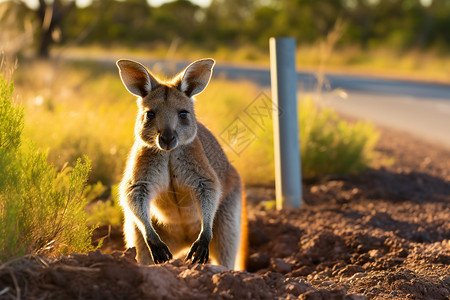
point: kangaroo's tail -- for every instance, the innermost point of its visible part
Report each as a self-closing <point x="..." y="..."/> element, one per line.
<point x="243" y="252"/>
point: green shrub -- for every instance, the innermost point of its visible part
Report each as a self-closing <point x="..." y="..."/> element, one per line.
<point x="330" y="145"/>
<point x="105" y="213"/>
<point x="102" y="212"/>
<point x="41" y="210"/>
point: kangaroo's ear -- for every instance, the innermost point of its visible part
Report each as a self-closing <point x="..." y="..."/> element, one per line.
<point x="196" y="77"/>
<point x="136" y="78"/>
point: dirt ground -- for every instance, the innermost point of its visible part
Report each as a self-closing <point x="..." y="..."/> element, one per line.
<point x="384" y="234"/>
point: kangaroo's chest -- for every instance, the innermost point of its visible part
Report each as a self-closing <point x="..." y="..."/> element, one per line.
<point x="175" y="206"/>
<point x="176" y="203"/>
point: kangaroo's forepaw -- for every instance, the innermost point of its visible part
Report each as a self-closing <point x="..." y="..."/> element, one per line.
<point x="160" y="253"/>
<point x="199" y="252"/>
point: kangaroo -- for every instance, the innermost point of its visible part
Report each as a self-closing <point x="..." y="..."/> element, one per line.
<point x="178" y="189"/>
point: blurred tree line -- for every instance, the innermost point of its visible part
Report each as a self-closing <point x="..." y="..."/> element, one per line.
<point x="399" y="24"/>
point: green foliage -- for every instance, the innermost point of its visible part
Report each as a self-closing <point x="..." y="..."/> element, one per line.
<point x="396" y="24"/>
<point x="234" y="23"/>
<point x="102" y="212"/>
<point x="95" y="191"/>
<point x="105" y="213"/>
<point x="330" y="145"/>
<point x="11" y="124"/>
<point x="41" y="210"/>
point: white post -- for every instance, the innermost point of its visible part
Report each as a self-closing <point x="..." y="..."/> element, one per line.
<point x="285" y="123"/>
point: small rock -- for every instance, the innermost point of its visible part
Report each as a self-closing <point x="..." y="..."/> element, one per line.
<point x="403" y="253"/>
<point x="97" y="256"/>
<point x="357" y="276"/>
<point x="445" y="279"/>
<point x="350" y="270"/>
<point x="190" y="276"/>
<point x="280" y="266"/>
<point x="295" y="288"/>
<point x="319" y="276"/>
<point x="338" y="265"/>
<point x="327" y="283"/>
<point x="283" y="249"/>
<point x="303" y="271"/>
<point x="258" y="261"/>
<point x="314" y="189"/>
<point x="375" y="253"/>
<point x="216" y="268"/>
<point x="128" y="255"/>
<point x="311" y="295"/>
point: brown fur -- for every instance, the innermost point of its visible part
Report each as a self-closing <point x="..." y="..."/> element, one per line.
<point x="178" y="190"/>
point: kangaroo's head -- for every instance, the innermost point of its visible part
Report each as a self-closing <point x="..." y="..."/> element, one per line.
<point x="166" y="116"/>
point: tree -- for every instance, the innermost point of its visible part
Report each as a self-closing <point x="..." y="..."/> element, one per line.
<point x="50" y="16"/>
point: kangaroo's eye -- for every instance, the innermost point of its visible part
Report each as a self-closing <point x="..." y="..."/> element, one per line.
<point x="150" y="115"/>
<point x="183" y="114"/>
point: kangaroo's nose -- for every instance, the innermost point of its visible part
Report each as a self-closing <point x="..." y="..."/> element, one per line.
<point x="167" y="138"/>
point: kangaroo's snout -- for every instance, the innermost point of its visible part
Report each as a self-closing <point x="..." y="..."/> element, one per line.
<point x="167" y="141"/>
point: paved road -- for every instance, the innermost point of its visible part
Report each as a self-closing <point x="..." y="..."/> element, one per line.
<point x="418" y="108"/>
